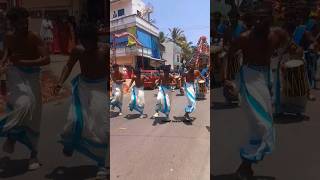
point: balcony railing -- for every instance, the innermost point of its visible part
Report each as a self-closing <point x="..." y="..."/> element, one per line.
<point x="125" y="51"/>
<point x="133" y="20"/>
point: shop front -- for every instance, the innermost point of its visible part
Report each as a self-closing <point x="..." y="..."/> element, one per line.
<point x="94" y="10"/>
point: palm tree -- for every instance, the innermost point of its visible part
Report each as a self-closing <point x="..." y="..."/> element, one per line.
<point x="176" y="35"/>
<point x="187" y="50"/>
<point x="162" y="37"/>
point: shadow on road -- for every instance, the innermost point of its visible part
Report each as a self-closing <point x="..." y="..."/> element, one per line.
<point x="11" y="168"/>
<point x="68" y="173"/>
<point x="233" y="177"/>
<point x="202" y="99"/>
<point x="113" y="114"/>
<point x="288" y="119"/>
<point x="159" y="120"/>
<point x="208" y="128"/>
<point x="182" y="119"/>
<point x="222" y="105"/>
<point x="132" y="116"/>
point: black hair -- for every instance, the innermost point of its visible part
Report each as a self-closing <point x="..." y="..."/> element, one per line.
<point x="166" y="68"/>
<point x="115" y="66"/>
<point x="16" y="13"/>
<point x="137" y="71"/>
<point x="264" y="7"/>
<point x="88" y="31"/>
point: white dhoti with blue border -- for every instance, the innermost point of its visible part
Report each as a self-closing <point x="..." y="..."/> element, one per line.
<point x="22" y="120"/>
<point x="86" y="130"/>
<point x="163" y="100"/>
<point x="254" y="89"/>
<point x="117" y="96"/>
<point x="191" y="96"/>
<point x="137" y="99"/>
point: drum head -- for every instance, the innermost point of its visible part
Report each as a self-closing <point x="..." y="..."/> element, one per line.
<point x="201" y="81"/>
<point x="293" y="63"/>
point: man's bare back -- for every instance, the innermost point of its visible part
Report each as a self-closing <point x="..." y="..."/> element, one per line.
<point x="23" y="46"/>
<point x="139" y="81"/>
<point x="92" y="63"/>
<point x="166" y="79"/>
<point x="258" y="50"/>
<point x="190" y="77"/>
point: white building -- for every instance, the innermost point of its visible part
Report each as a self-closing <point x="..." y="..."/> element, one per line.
<point x="133" y="16"/>
<point x="172" y="54"/>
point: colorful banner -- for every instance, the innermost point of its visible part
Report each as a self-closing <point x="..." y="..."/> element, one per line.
<point x="133" y="31"/>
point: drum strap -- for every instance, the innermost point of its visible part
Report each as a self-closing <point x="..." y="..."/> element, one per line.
<point x="298" y="34"/>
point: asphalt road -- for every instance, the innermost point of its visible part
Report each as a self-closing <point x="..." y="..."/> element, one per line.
<point x="149" y="149"/>
<point x="296" y="156"/>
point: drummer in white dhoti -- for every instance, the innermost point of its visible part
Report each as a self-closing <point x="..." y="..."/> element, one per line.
<point x="117" y="89"/>
<point x="86" y="129"/>
<point x="26" y="53"/>
<point x="163" y="99"/>
<point x="137" y="93"/>
<point x="189" y="86"/>
<point x="257" y="45"/>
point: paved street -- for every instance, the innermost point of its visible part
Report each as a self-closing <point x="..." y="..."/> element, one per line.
<point x="296" y="156"/>
<point x="152" y="150"/>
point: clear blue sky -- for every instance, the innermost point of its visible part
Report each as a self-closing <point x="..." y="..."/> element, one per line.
<point x="192" y="16"/>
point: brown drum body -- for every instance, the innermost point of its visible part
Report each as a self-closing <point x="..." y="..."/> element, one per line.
<point x="295" y="79"/>
<point x="217" y="66"/>
<point x="202" y="87"/>
<point x="233" y="66"/>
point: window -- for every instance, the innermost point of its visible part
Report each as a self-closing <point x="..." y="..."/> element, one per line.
<point x="178" y="58"/>
<point x="139" y="13"/>
<point x="120" y="12"/>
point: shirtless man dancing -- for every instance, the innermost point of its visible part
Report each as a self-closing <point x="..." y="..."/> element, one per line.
<point x="117" y="88"/>
<point x="24" y="54"/>
<point x="163" y="99"/>
<point x="137" y="93"/>
<point x="86" y="130"/>
<point x="189" y="79"/>
<point x="257" y="45"/>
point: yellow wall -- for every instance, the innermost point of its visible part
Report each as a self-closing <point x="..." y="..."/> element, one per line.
<point x="125" y="60"/>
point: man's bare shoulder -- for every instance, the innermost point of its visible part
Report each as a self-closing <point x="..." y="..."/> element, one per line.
<point x="242" y="40"/>
<point x="9" y="34"/>
<point x="34" y="35"/>
<point x="78" y="49"/>
<point x="103" y="50"/>
<point x="245" y="35"/>
<point x="279" y="36"/>
<point x="278" y="31"/>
